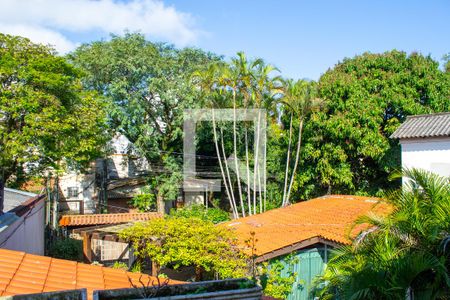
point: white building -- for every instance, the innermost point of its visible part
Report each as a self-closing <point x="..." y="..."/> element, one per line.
<point x="80" y="189"/>
<point x="425" y="142"/>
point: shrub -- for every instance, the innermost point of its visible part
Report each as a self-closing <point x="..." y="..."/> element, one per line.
<point x="67" y="248"/>
<point x="214" y="215"/>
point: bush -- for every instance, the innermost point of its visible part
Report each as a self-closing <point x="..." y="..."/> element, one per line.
<point x="214" y="215"/>
<point x="120" y="265"/>
<point x="70" y="249"/>
<point x="144" y="202"/>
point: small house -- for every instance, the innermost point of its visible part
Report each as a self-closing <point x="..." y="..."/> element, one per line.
<point x="425" y="142"/>
<point x="300" y="236"/>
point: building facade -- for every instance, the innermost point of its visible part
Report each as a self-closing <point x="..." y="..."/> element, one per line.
<point x="425" y="142"/>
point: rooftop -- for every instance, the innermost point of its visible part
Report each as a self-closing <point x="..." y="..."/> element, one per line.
<point x="14" y="198"/>
<point x="22" y="273"/>
<point x="102" y="219"/>
<point x="423" y="126"/>
<point x="326" y="219"/>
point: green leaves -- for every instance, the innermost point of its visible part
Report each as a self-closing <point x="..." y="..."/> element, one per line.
<point x="181" y="241"/>
<point x="403" y="253"/>
<point x="47" y="118"/>
<point x="347" y="145"/>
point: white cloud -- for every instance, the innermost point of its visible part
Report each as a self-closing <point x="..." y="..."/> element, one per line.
<point x="43" y="20"/>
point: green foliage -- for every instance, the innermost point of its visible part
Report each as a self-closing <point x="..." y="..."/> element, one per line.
<point x="346" y="146"/>
<point x="146" y="201"/>
<point x="404" y="255"/>
<point x="214" y="215"/>
<point x="67" y="248"/>
<point x="148" y="88"/>
<point x="180" y="241"/>
<point x="277" y="276"/>
<point x="120" y="265"/>
<point x="47" y="119"/>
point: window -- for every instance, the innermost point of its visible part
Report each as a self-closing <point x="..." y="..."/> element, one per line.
<point x="72" y="192"/>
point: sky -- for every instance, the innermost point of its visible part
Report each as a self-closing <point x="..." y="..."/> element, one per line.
<point x="302" y="38"/>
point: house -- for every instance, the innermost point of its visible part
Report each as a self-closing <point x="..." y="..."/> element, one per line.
<point x="425" y="142"/>
<point x="108" y="184"/>
<point x="22" y="223"/>
<point x="23" y="273"/>
<point x="301" y="235"/>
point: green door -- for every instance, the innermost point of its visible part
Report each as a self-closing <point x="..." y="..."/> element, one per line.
<point x="307" y="265"/>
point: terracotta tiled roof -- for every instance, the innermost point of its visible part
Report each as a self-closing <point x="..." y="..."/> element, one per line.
<point x="329" y="217"/>
<point x="22" y="273"/>
<point x="100" y="219"/>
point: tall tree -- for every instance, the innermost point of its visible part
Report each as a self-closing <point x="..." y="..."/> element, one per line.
<point x="300" y="99"/>
<point x="148" y="87"/>
<point x="47" y="120"/>
<point x="346" y="146"/>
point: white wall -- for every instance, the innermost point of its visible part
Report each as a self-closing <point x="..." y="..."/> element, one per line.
<point x="432" y="154"/>
<point x="27" y="232"/>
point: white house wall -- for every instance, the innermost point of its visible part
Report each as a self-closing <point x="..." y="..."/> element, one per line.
<point x="429" y="154"/>
<point x="27" y="232"/>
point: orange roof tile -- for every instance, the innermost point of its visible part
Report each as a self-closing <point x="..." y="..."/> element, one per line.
<point x="100" y="219"/>
<point x="22" y="273"/>
<point x="329" y="217"/>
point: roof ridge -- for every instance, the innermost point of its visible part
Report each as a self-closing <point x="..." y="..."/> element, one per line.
<point x="428" y="115"/>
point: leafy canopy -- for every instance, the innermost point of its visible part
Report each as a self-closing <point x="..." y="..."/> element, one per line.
<point x="148" y="87"/>
<point x="47" y="119"/>
<point x="347" y="148"/>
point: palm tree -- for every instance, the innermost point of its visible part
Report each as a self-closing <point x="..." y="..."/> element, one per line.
<point x="405" y="255"/>
<point x="208" y="80"/>
<point x="264" y="90"/>
<point x="300" y="99"/>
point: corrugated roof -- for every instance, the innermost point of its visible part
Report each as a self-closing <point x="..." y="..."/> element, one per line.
<point x="22" y="273"/>
<point x="100" y="219"/>
<point x="329" y="217"/>
<point x="421" y="126"/>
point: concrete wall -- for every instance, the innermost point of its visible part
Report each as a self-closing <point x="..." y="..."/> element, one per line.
<point x="432" y="154"/>
<point x="86" y="189"/>
<point x="27" y="232"/>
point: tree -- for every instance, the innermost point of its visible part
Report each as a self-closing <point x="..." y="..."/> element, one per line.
<point x="346" y="146"/>
<point x="405" y="255"/>
<point x="148" y="87"/>
<point x="47" y="120"/>
<point x="300" y="100"/>
<point x="180" y="241"/>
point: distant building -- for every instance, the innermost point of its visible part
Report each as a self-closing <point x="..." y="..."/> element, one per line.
<point x="22" y="223"/>
<point x="118" y="176"/>
<point x="425" y="142"/>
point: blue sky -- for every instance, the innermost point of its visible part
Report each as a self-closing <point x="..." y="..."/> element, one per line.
<point x="302" y="38"/>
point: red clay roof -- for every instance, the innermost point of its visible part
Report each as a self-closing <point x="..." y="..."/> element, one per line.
<point x="100" y="219"/>
<point x="328" y="217"/>
<point x="22" y="273"/>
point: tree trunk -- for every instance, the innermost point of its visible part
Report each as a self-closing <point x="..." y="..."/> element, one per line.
<point x="286" y="175"/>
<point x="249" y="201"/>
<point x="241" y="201"/>
<point x="228" y="176"/>
<point x="2" y="194"/>
<point x="160" y="204"/>
<point x="155" y="268"/>
<point x="255" y="167"/>
<point x="297" y="157"/>
<point x="198" y="273"/>
<point x="216" y="144"/>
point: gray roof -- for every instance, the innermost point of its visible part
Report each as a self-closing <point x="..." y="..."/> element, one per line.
<point x="14" y="198"/>
<point x="423" y="126"/>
